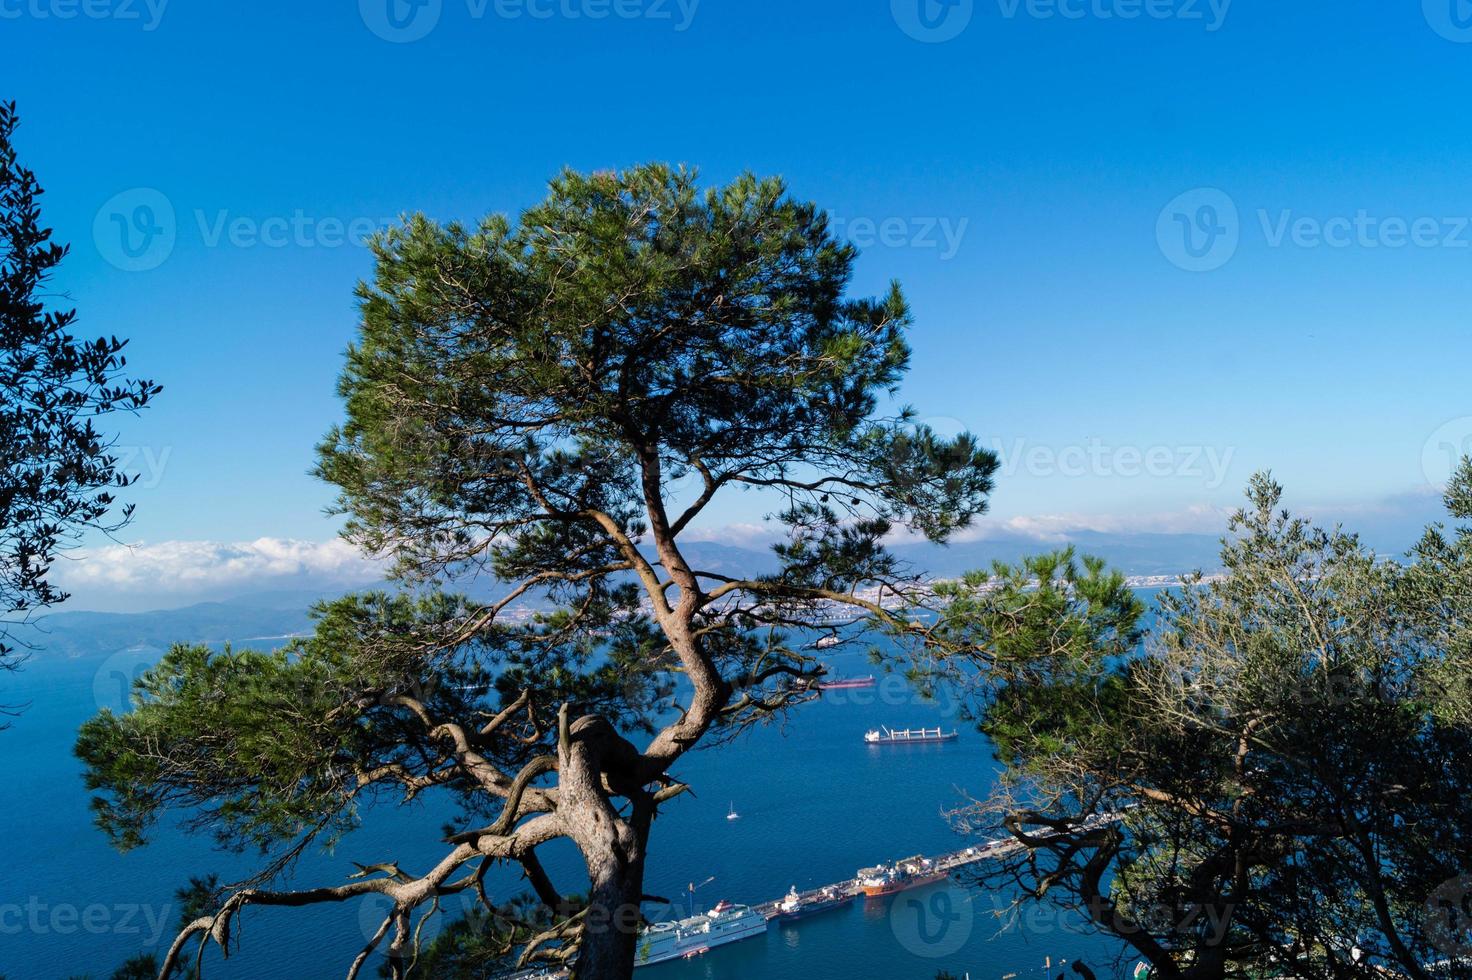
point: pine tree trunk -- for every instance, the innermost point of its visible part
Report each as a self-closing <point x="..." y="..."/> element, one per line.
<point x="613" y="845"/>
<point x="609" y="943"/>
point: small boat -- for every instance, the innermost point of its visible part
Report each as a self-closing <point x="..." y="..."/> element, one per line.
<point x="733" y="815"/>
<point x="846" y="683"/>
<point x="909" y="736"/>
<point x="795" y="907"/>
<point x="827" y="642"/>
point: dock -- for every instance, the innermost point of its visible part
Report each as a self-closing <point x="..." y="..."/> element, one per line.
<point x="850" y="888"/>
<point x="947" y="863"/>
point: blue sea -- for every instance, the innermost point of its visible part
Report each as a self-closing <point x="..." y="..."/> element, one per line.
<point x="815" y="805"/>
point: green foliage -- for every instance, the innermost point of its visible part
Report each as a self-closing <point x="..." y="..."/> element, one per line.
<point x="266" y="769"/>
<point x="200" y="897"/>
<point x="629" y="318"/>
<point x="1279" y="766"/>
<point x="1459" y="493"/>
<point x="277" y="745"/>
<point x="1051" y="630"/>
<point x="480" y="943"/>
<point x="57" y="471"/>
<point x="141" y="967"/>
<point x="1438" y="588"/>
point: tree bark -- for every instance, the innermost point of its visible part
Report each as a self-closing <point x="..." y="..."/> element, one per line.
<point x="596" y="763"/>
<point x="611" y="933"/>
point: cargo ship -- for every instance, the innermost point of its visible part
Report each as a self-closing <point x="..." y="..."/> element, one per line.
<point x="795" y="907"/>
<point x="846" y="683"/>
<point x="889" y="879"/>
<point x="910" y="736"/>
<point x="698" y="934"/>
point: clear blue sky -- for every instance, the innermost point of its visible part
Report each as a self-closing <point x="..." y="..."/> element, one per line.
<point x="1049" y="145"/>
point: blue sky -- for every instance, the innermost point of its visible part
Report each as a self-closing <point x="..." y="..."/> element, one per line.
<point x="1029" y="169"/>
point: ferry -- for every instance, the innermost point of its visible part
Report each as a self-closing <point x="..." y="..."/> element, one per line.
<point x="698" y="934"/>
<point x="910" y="736"/>
<point x="889" y="879"/>
<point x="795" y="907"/>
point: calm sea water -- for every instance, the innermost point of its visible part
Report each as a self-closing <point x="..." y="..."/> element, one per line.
<point x="816" y="804"/>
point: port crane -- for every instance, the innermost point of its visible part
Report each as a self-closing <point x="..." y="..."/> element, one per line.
<point x="691" y="889"/>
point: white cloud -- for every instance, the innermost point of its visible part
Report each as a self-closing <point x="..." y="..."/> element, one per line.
<point x="1403" y="514"/>
<point x="193" y="567"/>
<point x="1196" y="519"/>
<point x="738" y="535"/>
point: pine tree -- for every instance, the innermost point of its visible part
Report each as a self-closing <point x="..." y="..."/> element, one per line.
<point x="553" y="405"/>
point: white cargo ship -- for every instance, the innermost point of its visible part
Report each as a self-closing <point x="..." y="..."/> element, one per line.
<point x="690" y="937"/>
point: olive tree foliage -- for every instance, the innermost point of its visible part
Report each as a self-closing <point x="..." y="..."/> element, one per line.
<point x="1439" y="590"/>
<point x="58" y="473"/>
<point x="552" y="404"/>
<point x="1273" y="784"/>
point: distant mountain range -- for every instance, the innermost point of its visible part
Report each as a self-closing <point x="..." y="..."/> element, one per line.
<point x="1132" y="554"/>
<point x="270" y="617"/>
<point x="1391" y="526"/>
